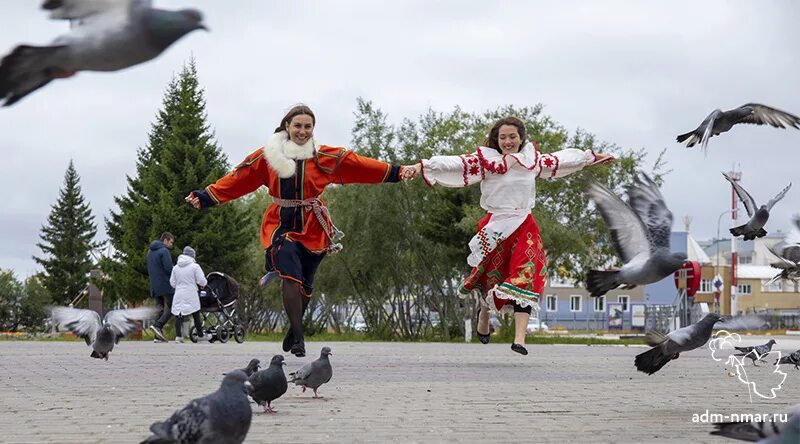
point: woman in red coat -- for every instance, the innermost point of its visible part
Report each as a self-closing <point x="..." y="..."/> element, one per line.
<point x="296" y="230"/>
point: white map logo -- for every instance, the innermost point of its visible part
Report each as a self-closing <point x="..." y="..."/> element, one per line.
<point x="723" y="340"/>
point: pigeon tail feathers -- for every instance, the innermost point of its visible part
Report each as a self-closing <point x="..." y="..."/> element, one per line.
<point x="651" y="361"/>
<point x="600" y="282"/>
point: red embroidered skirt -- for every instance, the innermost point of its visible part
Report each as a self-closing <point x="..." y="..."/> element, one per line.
<point x="515" y="271"/>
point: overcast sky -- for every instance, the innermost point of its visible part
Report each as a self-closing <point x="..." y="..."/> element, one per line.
<point x="633" y="73"/>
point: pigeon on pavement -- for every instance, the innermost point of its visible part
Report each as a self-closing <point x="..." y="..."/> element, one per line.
<point x="105" y="35"/>
<point x="790" y="359"/>
<point x="721" y="121"/>
<point x="640" y="232"/>
<point x="758" y="215"/>
<point x="103" y="334"/>
<point x="314" y="374"/>
<point x="756" y="353"/>
<point x="768" y="431"/>
<point x="252" y="367"/>
<point x="269" y="384"/>
<point x="222" y="417"/>
<point x="668" y="347"/>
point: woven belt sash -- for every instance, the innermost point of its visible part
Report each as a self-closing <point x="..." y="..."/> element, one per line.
<point x="316" y="205"/>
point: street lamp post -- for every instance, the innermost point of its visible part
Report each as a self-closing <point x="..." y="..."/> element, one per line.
<point x="717" y="240"/>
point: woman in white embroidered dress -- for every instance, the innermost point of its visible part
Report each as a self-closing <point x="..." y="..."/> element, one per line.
<point x="507" y="256"/>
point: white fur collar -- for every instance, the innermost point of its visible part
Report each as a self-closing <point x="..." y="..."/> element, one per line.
<point x="280" y="153"/>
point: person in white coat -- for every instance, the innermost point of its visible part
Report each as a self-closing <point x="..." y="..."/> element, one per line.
<point x="187" y="278"/>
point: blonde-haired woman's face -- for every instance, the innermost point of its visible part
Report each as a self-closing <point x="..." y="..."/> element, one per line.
<point x="508" y="139"/>
<point x="300" y="129"/>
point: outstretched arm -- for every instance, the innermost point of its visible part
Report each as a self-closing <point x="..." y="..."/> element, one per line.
<point x="245" y="178"/>
<point x="568" y="161"/>
<point x="359" y="169"/>
<point x="448" y="171"/>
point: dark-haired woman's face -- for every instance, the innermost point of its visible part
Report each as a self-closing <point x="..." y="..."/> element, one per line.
<point x="300" y="129"/>
<point x="508" y="139"/>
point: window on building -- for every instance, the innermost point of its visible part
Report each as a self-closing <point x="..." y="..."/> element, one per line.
<point x="744" y="260"/>
<point x="744" y="289"/>
<point x="705" y="286"/>
<point x="600" y="304"/>
<point x="552" y="302"/>
<point x="776" y="286"/>
<point x="624" y="300"/>
<point x="575" y="303"/>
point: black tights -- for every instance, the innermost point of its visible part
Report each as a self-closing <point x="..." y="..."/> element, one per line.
<point x="198" y="324"/>
<point x="295" y="305"/>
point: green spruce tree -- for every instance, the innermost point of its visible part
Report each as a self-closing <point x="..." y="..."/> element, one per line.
<point x="180" y="156"/>
<point x="67" y="240"/>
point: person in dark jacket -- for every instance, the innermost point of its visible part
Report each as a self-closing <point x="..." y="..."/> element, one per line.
<point x="159" y="269"/>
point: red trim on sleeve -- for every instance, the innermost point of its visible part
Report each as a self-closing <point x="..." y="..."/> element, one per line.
<point x="422" y="172"/>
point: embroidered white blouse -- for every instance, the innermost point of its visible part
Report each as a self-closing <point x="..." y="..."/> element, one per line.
<point x="508" y="185"/>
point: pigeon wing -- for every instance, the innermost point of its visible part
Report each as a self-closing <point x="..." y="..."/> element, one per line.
<point x="88" y="12"/>
<point x="648" y="203"/>
<point x="765" y="115"/>
<point x="628" y="233"/>
<point x="84" y="323"/>
<point x="744" y="196"/>
<point x="708" y="128"/>
<point x="186" y="425"/>
<point x="301" y="374"/>
<point x="121" y="321"/>
<point x="778" y="197"/>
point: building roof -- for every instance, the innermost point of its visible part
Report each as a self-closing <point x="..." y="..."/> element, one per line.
<point x="694" y="251"/>
<point x="755" y="272"/>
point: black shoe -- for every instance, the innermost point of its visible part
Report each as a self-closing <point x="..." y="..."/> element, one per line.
<point x="519" y="349"/>
<point x="484" y="339"/>
<point x="299" y="349"/>
<point x="288" y="340"/>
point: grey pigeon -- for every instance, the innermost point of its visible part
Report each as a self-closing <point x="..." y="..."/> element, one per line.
<point x="790" y="359"/>
<point x="756" y="353"/>
<point x="103" y="334"/>
<point x="314" y="374"/>
<point x="221" y="417"/>
<point x="721" y="121"/>
<point x="269" y="384"/>
<point x="640" y="234"/>
<point x="668" y="347"/>
<point x="789" y="268"/>
<point x="252" y="367"/>
<point x="105" y="35"/>
<point x="772" y="430"/>
<point x="758" y="215"/>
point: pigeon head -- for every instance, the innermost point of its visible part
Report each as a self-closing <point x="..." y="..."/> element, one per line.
<point x="771" y="342"/>
<point x="277" y="360"/>
<point x="713" y="318"/>
<point x="253" y="365"/>
<point x="235" y="378"/>
<point x="326" y="351"/>
<point x="166" y="27"/>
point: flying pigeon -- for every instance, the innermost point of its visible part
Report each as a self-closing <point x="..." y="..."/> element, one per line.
<point x="668" y="347"/>
<point x="221" y="417"/>
<point x="269" y="384"/>
<point x="791" y="359"/>
<point x="314" y="374"/>
<point x="103" y="334"/>
<point x="105" y="35"/>
<point x="757" y="352"/>
<point x="640" y="232"/>
<point x="764" y="432"/>
<point x="758" y="215"/>
<point x="789" y="268"/>
<point x="721" y="121"/>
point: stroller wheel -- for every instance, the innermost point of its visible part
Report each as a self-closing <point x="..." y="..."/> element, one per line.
<point x="222" y="334"/>
<point x="238" y="333"/>
<point x="193" y="336"/>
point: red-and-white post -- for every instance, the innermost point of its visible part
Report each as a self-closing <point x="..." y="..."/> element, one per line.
<point x="736" y="176"/>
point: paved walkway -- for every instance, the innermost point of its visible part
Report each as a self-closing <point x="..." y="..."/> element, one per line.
<point x="380" y="392"/>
